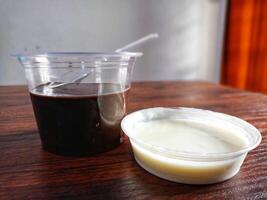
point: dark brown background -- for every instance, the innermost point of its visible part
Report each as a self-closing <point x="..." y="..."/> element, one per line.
<point x="27" y="172"/>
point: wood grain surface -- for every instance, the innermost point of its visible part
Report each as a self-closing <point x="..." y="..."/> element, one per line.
<point x="28" y="172"/>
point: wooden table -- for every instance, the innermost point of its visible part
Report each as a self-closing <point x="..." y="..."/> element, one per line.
<point x="28" y="172"/>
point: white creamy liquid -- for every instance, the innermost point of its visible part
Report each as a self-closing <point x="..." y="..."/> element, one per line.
<point x="187" y="136"/>
<point x="190" y="137"/>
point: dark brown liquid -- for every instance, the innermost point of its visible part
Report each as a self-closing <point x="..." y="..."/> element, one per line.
<point x="74" y="124"/>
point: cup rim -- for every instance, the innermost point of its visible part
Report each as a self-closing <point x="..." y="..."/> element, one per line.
<point x="77" y="59"/>
<point x="78" y="54"/>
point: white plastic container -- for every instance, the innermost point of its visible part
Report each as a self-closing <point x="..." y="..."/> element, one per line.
<point x="164" y="158"/>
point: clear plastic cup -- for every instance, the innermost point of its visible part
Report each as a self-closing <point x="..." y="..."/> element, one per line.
<point x="184" y="166"/>
<point x="79" y="99"/>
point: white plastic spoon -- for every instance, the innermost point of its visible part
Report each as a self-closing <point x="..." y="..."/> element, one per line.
<point x="78" y="79"/>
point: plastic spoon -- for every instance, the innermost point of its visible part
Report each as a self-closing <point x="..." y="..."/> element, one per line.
<point x="142" y="40"/>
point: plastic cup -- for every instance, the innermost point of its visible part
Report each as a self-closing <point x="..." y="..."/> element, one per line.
<point x="79" y="99"/>
<point x="187" y="166"/>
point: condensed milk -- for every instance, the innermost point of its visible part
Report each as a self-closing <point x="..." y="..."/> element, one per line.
<point x="189" y="145"/>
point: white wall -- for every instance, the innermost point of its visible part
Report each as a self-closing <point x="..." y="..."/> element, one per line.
<point x="190" y="31"/>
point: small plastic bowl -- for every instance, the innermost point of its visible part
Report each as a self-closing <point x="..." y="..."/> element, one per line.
<point x="190" y="167"/>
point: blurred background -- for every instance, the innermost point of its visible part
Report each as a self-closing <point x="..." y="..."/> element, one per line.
<point x="189" y="46"/>
<point x="212" y="40"/>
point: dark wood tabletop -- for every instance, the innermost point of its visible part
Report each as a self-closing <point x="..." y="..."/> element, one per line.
<point x="28" y="172"/>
